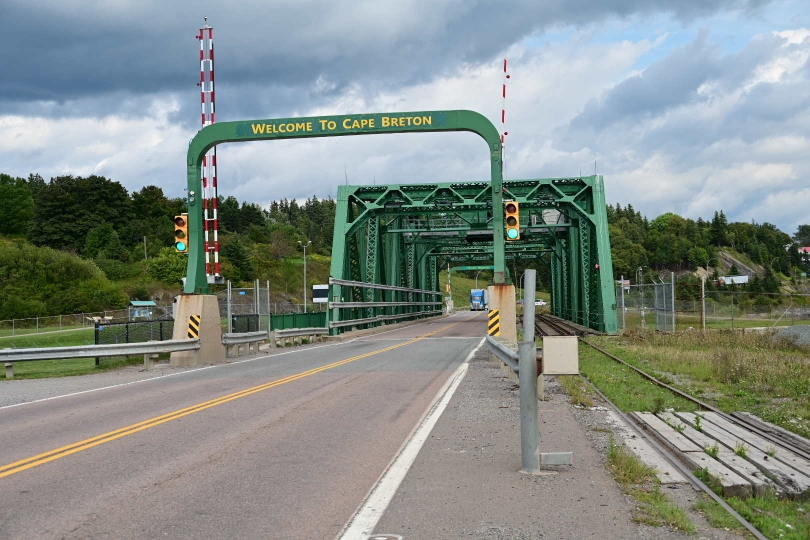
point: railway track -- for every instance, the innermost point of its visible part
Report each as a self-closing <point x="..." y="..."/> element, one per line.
<point x="779" y="437"/>
<point x="549" y="325"/>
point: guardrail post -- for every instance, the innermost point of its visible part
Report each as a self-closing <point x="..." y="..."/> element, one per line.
<point x="148" y="361"/>
<point x="527" y="357"/>
<point x="9" y="370"/>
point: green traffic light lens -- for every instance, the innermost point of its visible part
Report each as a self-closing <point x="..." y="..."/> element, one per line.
<point x="181" y="246"/>
<point x="512" y="234"/>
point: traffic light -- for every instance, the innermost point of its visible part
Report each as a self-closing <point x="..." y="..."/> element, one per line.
<point x="512" y="220"/>
<point x="181" y="233"/>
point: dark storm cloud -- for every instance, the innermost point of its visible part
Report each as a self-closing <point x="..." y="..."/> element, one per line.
<point x="270" y="54"/>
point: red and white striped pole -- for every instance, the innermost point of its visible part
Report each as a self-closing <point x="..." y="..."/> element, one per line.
<point x="504" y="133"/>
<point x="209" y="164"/>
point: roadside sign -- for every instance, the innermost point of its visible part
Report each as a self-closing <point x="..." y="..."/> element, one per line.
<point x="320" y="294"/>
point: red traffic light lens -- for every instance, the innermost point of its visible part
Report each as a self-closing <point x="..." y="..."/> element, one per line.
<point x="511" y="207"/>
<point x="180" y="221"/>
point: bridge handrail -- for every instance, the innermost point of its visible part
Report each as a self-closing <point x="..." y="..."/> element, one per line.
<point x="379" y="304"/>
<point x="378" y="318"/>
<point x="380" y="286"/>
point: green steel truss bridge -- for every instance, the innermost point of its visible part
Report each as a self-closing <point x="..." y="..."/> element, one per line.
<point x="403" y="235"/>
<point x="391" y="240"/>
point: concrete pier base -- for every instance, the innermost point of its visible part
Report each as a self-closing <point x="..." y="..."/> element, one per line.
<point x="206" y="307"/>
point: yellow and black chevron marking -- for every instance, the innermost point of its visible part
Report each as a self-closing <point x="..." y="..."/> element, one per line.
<point x="494" y="322"/>
<point x="194" y="327"/>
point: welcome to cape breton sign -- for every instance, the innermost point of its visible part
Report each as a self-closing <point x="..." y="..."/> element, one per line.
<point x="342" y="125"/>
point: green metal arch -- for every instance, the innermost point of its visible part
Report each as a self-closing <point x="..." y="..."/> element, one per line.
<point x="334" y="126"/>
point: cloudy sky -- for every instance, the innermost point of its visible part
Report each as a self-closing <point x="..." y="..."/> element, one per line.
<point x="685" y="106"/>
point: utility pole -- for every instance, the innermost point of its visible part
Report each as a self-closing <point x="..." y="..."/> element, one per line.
<point x="305" y="271"/>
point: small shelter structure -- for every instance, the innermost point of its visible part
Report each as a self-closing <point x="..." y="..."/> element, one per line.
<point x="141" y="309"/>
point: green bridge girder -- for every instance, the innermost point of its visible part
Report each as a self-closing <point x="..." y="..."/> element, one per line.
<point x="402" y="235"/>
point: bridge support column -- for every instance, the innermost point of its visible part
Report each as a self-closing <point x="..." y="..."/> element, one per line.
<point x="502" y="298"/>
<point x="198" y="314"/>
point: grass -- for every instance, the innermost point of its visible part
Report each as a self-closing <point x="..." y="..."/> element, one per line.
<point x="731" y="370"/>
<point x="684" y="321"/>
<point x="575" y="387"/>
<point x="81" y="336"/>
<point x="774" y="518"/>
<point x="626" y="388"/>
<point x="60" y="368"/>
<point x="639" y="482"/>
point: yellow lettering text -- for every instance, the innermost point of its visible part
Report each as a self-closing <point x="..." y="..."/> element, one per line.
<point x="427" y="120"/>
<point x="385" y="121"/>
<point x="309" y="126"/>
<point x="371" y="122"/>
<point x="323" y="124"/>
<point x="331" y="124"/>
<point x="301" y="127"/>
<point x="290" y="128"/>
<point x="347" y="123"/>
<point x="281" y="128"/>
<point x="257" y="128"/>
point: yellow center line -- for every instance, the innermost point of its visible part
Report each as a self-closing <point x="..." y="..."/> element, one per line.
<point x="40" y="459"/>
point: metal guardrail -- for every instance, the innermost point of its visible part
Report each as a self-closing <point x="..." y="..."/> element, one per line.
<point x="238" y="340"/>
<point x="147" y="349"/>
<point x="284" y="334"/>
<point x="504" y="354"/>
<point x="297" y="332"/>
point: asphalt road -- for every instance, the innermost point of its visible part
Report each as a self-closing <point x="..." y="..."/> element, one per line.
<point x="276" y="447"/>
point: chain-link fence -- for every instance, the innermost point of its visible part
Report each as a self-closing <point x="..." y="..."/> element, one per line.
<point x="639" y="306"/>
<point x="646" y="306"/>
<point x="76" y="321"/>
<point x="131" y="332"/>
<point x="244" y="309"/>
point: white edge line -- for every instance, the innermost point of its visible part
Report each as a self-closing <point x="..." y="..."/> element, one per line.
<point x="197" y="369"/>
<point x="371" y="509"/>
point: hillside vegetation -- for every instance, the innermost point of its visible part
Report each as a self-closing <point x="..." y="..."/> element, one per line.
<point x="82" y="244"/>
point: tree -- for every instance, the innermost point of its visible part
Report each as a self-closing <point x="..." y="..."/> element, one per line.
<point x="68" y="207"/>
<point x="237" y="254"/>
<point x="718" y="229"/>
<point x="169" y="266"/>
<point x="802" y="235"/>
<point x="16" y="205"/>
